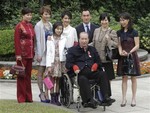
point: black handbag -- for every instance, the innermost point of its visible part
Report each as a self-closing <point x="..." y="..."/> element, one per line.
<point x="111" y="53"/>
<point x="128" y="66"/>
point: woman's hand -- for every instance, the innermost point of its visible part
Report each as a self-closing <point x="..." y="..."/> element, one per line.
<point x="49" y="69"/>
<point x="124" y="53"/>
<point x="107" y="37"/>
<point x="39" y="58"/>
<point x="18" y="58"/>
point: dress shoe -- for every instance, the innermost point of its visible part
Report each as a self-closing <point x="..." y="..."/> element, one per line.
<point x="113" y="100"/>
<point x="92" y="104"/>
<point x="84" y="105"/>
<point x="123" y="104"/>
<point x="109" y="101"/>
<point x="40" y="96"/>
<point x="105" y="104"/>
<point x="133" y="105"/>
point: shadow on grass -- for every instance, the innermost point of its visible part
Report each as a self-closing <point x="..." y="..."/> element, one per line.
<point x="11" y="106"/>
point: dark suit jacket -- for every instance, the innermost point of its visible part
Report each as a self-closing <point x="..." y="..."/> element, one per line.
<point x="77" y="56"/>
<point x="80" y="28"/>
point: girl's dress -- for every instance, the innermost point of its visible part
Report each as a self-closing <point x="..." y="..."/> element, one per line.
<point x="58" y="67"/>
<point x="127" y="43"/>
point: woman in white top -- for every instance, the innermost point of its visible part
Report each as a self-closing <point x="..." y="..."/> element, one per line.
<point x="69" y="32"/>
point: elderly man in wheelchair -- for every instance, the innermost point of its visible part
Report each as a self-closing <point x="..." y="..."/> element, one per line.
<point x="84" y="61"/>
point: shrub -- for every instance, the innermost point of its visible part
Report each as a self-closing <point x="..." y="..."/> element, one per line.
<point x="17" y="16"/>
<point x="6" y="42"/>
<point x="143" y="27"/>
<point x="6" y="45"/>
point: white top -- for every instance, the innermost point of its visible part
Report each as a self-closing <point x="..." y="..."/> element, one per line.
<point x="70" y="33"/>
<point x="50" y="55"/>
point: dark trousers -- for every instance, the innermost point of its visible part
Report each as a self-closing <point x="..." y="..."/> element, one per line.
<point x="101" y="79"/>
<point x="24" y="93"/>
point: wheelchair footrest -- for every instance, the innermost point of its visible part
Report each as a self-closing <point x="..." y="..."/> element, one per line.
<point x="105" y="104"/>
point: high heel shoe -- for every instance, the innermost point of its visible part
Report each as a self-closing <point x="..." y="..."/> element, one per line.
<point x="42" y="100"/>
<point x="133" y="104"/>
<point x="123" y="104"/>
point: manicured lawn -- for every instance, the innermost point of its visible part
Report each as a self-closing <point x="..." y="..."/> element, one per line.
<point x="11" y="106"/>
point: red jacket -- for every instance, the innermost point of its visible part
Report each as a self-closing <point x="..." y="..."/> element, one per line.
<point x="24" y="40"/>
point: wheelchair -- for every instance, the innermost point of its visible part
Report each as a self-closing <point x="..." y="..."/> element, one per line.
<point x="69" y="84"/>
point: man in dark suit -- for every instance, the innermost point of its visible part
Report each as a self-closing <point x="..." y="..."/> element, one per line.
<point x="86" y="25"/>
<point x="84" y="61"/>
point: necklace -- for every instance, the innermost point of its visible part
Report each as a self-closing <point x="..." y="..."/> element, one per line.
<point x="46" y="25"/>
<point x="103" y="33"/>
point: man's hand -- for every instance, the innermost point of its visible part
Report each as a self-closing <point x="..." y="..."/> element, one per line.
<point x="76" y="69"/>
<point x="94" y="67"/>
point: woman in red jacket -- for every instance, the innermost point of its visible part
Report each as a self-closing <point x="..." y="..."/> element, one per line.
<point x="24" y="50"/>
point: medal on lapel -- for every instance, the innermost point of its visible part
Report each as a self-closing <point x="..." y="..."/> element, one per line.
<point x="89" y="54"/>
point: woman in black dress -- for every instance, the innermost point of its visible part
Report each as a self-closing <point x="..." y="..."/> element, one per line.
<point x="128" y="45"/>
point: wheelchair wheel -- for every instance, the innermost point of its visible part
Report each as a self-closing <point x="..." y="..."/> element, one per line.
<point x="66" y="91"/>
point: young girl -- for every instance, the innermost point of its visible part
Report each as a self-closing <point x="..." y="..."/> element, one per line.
<point x="55" y="58"/>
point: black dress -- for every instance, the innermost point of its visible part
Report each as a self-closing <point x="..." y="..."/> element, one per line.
<point x="127" y="43"/>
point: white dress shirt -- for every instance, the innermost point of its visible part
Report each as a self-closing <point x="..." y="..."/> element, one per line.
<point x="85" y="26"/>
<point x="70" y="33"/>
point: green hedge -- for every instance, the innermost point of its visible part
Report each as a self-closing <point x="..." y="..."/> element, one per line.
<point x="6" y="42"/>
<point x="7" y="45"/>
<point x="143" y="27"/>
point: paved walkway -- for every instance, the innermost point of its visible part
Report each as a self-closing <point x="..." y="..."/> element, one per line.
<point x="8" y="91"/>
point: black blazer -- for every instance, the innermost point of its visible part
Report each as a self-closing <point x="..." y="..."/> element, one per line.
<point x="77" y="56"/>
<point x="80" y="28"/>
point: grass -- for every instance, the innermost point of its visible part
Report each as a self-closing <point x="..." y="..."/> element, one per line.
<point x="11" y="106"/>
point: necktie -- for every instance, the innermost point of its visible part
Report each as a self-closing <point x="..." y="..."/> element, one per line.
<point x="88" y="30"/>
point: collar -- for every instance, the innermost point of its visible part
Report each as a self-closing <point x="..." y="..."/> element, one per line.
<point x="87" y="24"/>
<point x="67" y="27"/>
<point x="61" y="37"/>
<point x="25" y="22"/>
<point x="108" y="29"/>
<point x="66" y="30"/>
<point x="79" y="47"/>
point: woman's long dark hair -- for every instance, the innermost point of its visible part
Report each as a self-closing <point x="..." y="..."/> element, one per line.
<point x="126" y="16"/>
